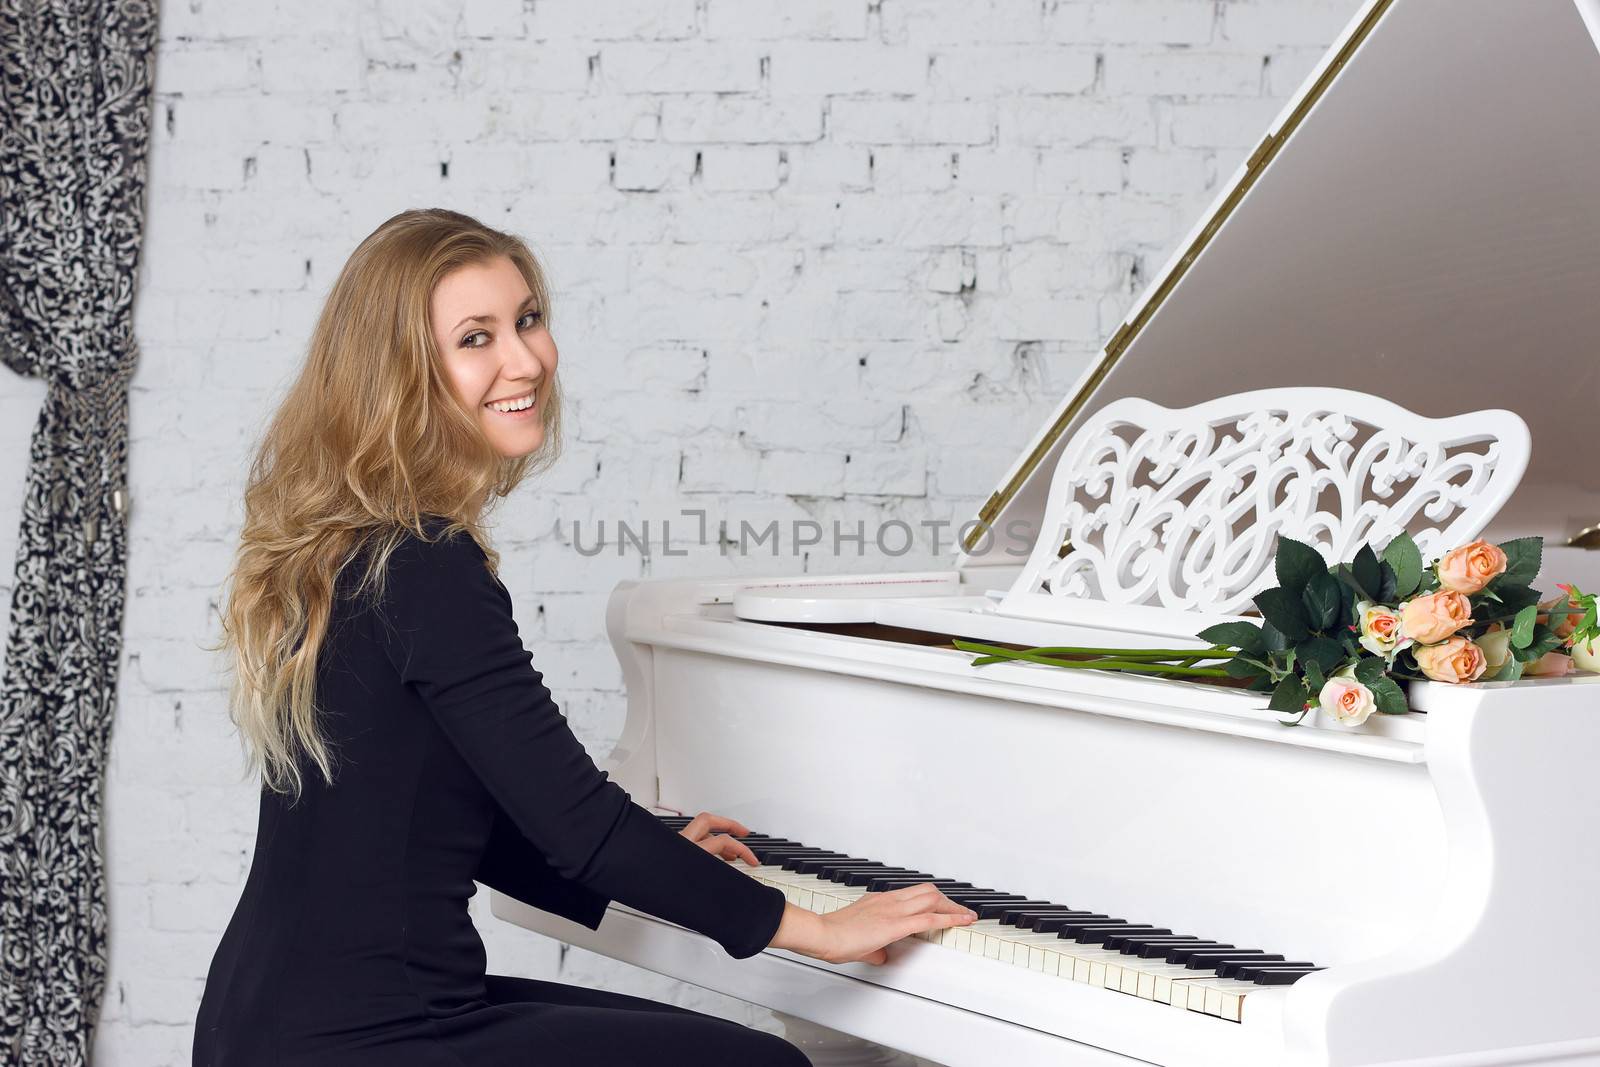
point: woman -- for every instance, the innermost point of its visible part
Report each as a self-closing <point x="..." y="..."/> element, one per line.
<point x="405" y="743"/>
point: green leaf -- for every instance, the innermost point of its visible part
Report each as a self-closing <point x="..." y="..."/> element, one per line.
<point x="1348" y="580"/>
<point x="1297" y="563"/>
<point x="1324" y="652"/>
<point x="1364" y="568"/>
<point x="1241" y="667"/>
<point x="1523" y="556"/>
<point x="1544" y="640"/>
<point x="1386" y="580"/>
<point x="1403" y="555"/>
<point x="1290" y="696"/>
<point x="1275" y="640"/>
<point x="1245" y="636"/>
<point x="1369" y="669"/>
<point x="1509" y="671"/>
<point x="1315" y="679"/>
<point x="1285" y="611"/>
<point x="1390" y="698"/>
<point x="1513" y="598"/>
<point x="1321" y="601"/>
<point x="1522" y="627"/>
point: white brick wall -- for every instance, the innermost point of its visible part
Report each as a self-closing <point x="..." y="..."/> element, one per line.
<point x="823" y="259"/>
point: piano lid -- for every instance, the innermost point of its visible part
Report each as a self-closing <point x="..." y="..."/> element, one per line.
<point x="1421" y="222"/>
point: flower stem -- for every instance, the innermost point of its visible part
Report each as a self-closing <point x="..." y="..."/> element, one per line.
<point x="1119" y="653"/>
<point x="994" y="653"/>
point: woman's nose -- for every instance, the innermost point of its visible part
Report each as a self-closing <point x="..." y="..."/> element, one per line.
<point x="523" y="359"/>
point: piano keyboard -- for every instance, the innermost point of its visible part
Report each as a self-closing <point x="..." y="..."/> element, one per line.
<point x="1143" y="960"/>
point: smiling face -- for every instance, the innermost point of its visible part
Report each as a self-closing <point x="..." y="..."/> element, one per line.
<point x="495" y="350"/>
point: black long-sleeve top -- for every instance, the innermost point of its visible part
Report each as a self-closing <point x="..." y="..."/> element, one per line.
<point x="452" y="764"/>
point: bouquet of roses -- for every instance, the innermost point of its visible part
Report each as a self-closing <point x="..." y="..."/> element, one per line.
<point x="1344" y="637"/>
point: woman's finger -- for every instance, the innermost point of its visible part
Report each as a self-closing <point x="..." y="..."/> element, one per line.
<point x="706" y="823"/>
<point x="729" y="826"/>
<point x="929" y="920"/>
<point x="729" y="849"/>
<point x="944" y="903"/>
<point x="697" y="827"/>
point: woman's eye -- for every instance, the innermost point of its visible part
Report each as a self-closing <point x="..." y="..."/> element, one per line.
<point x="533" y="318"/>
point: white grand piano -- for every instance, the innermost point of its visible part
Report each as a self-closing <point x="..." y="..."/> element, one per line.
<point x="1422" y="222"/>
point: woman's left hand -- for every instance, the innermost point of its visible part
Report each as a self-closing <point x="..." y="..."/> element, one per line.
<point x="714" y="833"/>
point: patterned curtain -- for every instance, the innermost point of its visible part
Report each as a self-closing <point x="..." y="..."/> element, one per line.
<point x="75" y="81"/>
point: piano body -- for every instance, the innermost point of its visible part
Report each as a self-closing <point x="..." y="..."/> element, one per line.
<point x="1421" y="222"/>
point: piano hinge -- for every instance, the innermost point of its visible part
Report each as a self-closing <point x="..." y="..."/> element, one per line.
<point x="1261" y="153"/>
<point x="1589" y="537"/>
<point x="990" y="510"/>
<point x="1119" y="340"/>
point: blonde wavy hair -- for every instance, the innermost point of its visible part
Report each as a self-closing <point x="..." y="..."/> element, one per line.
<point x="369" y="439"/>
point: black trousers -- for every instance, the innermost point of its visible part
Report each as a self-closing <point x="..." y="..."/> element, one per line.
<point x="569" y="1026"/>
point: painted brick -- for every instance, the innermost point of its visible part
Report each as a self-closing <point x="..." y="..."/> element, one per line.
<point x="784" y="19"/>
<point x="740" y="168"/>
<point x="713" y="118"/>
<point x="631" y="67"/>
<point x="608" y="20"/>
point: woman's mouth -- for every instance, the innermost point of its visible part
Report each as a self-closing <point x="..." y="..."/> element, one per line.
<point x="516" y="407"/>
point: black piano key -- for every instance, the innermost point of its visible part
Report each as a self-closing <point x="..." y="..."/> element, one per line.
<point x="975" y="896"/>
<point x="1020" y="916"/>
<point x="843" y="874"/>
<point x="1132" y="942"/>
<point x="835" y="872"/>
<point x="785" y="849"/>
<point x="789" y="863"/>
<point x="997" y="909"/>
<point x="785" y="845"/>
<point x="1211" y="961"/>
<point x="815" y="866"/>
<point x="1246" y="972"/>
<point x="893" y="882"/>
<point x="862" y="878"/>
<point x="1073" y="927"/>
<point x="1052" y="924"/>
<point x="777" y="857"/>
<point x="1158" y="950"/>
<point x="1096" y="935"/>
<point x="1267" y="976"/>
<point x="1181" y="955"/>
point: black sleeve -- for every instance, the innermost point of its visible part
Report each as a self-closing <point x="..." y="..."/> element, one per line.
<point x="448" y="629"/>
<point x="511" y="864"/>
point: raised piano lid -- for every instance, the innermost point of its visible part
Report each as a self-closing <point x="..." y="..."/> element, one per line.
<point x="1421" y="223"/>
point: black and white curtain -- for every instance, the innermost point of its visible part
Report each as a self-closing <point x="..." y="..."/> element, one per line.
<point x="75" y="78"/>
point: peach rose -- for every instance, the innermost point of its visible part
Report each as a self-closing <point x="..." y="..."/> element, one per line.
<point x="1471" y="567"/>
<point x="1586" y="655"/>
<point x="1455" y="660"/>
<point x="1495" y="644"/>
<point x="1347" y="700"/>
<point x="1549" y="665"/>
<point x="1568" y="622"/>
<point x="1430" y="619"/>
<point x="1381" y="632"/>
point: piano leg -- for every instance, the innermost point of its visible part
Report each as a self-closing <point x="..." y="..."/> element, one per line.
<point x="830" y="1048"/>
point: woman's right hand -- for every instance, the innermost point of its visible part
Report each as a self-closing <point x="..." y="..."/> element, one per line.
<point x="859" y="931"/>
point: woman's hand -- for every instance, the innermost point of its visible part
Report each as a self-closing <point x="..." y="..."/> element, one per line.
<point x="859" y="931"/>
<point x="711" y="832"/>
